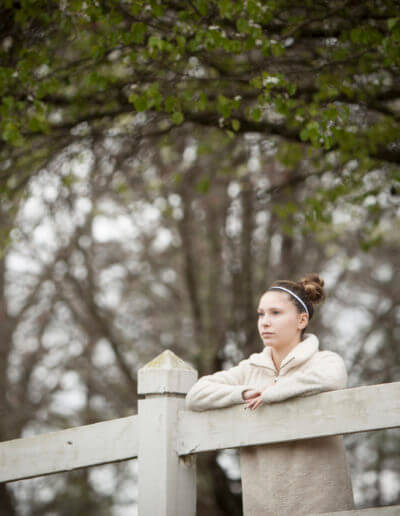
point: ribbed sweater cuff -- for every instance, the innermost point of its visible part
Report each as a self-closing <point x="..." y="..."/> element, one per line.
<point x="237" y="393"/>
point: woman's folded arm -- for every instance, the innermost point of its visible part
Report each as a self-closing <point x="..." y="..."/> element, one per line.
<point x="218" y="390"/>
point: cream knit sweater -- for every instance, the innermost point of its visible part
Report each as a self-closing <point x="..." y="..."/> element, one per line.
<point x="285" y="479"/>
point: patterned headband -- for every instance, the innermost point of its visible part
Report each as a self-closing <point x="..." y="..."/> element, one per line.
<point x="294" y="295"/>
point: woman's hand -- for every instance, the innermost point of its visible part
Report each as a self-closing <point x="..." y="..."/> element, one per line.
<point x="253" y="398"/>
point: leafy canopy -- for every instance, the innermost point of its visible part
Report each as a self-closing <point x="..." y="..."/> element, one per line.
<point x="320" y="78"/>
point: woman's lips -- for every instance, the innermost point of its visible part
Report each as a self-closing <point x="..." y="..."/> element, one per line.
<point x="266" y="333"/>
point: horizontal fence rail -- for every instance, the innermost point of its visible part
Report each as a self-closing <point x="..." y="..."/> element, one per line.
<point x="392" y="510"/>
<point x="65" y="450"/>
<point x="345" y="411"/>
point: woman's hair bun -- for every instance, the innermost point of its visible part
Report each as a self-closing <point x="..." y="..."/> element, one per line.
<point x="313" y="286"/>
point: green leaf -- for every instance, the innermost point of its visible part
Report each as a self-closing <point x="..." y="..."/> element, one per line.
<point x="266" y="48"/>
<point x="158" y="10"/>
<point x="331" y="113"/>
<point x="224" y="106"/>
<point x="242" y="25"/>
<point x="34" y="124"/>
<point x="292" y="87"/>
<point x="281" y="105"/>
<point x="136" y="8"/>
<point x="356" y="35"/>
<point x="139" y="101"/>
<point x="155" y="42"/>
<point x="235" y="124"/>
<point x="236" y="47"/>
<point x="171" y="103"/>
<point x="328" y="142"/>
<point x="304" y="134"/>
<point x="202" y="102"/>
<point x="256" y="82"/>
<point x="10" y="133"/>
<point x="202" y="6"/>
<point x="177" y="117"/>
<point x="226" y="8"/>
<point x="181" y="40"/>
<point x="256" y="114"/>
<point x="138" y="30"/>
<point x="277" y="49"/>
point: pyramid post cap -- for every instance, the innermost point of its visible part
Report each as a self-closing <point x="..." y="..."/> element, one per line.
<point x="166" y="373"/>
<point x="167" y="360"/>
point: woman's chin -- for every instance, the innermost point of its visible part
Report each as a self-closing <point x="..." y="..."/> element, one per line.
<point x="268" y="340"/>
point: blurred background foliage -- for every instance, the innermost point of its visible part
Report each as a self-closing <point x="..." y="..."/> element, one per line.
<point x="186" y="154"/>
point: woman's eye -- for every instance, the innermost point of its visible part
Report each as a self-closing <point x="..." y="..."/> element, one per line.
<point x="276" y="311"/>
<point x="259" y="314"/>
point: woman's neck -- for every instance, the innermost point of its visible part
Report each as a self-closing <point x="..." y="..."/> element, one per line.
<point x="279" y="354"/>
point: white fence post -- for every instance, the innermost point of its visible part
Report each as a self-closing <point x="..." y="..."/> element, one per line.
<point x="167" y="482"/>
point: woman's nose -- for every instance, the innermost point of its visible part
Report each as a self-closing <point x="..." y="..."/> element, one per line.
<point x="265" y="321"/>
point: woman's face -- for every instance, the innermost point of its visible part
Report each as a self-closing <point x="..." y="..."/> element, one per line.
<point x="279" y="322"/>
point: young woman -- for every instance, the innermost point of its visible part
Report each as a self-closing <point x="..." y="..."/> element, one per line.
<point x="298" y="477"/>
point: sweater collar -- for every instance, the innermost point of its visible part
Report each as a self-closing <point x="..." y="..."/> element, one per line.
<point x="299" y="354"/>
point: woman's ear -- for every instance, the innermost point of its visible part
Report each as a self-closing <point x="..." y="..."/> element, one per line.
<point x="303" y="321"/>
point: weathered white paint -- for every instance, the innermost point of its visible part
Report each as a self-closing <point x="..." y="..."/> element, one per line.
<point x="161" y="375"/>
<point x="167" y="482"/>
<point x="331" y="413"/>
<point x="393" y="510"/>
<point x="99" y="443"/>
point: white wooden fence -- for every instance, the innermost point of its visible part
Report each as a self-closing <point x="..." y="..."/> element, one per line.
<point x="165" y="437"/>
